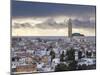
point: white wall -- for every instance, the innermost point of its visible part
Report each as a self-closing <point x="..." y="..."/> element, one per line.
<point x="5" y="37"/>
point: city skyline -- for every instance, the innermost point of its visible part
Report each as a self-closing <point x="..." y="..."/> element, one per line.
<point x="51" y="37"/>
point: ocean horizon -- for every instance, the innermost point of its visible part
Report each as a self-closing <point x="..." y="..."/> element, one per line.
<point x="93" y="38"/>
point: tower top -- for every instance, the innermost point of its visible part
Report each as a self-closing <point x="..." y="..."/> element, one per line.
<point x="69" y="22"/>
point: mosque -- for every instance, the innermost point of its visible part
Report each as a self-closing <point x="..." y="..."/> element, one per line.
<point x="74" y="36"/>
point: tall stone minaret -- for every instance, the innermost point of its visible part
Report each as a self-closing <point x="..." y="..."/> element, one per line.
<point x="69" y="28"/>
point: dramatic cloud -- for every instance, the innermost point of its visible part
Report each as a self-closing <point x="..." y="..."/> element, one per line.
<point x="36" y="18"/>
<point x="83" y="24"/>
<point x="22" y="25"/>
<point x="51" y="23"/>
<point x="76" y="23"/>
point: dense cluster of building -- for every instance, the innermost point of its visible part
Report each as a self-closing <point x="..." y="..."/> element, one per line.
<point x="30" y="55"/>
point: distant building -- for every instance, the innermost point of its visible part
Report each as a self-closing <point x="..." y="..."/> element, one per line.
<point x="77" y="34"/>
<point x="26" y="68"/>
<point x="76" y="55"/>
<point x="87" y="61"/>
<point x="44" y="59"/>
<point x="78" y="37"/>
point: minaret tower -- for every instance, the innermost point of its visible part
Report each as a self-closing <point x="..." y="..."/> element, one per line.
<point x="69" y="28"/>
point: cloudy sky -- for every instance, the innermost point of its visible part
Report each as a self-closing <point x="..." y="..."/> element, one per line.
<point x="46" y="19"/>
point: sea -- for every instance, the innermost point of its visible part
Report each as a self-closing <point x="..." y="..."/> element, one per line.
<point x="89" y="38"/>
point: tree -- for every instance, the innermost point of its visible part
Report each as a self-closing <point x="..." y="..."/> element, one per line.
<point x="52" y="53"/>
<point x="79" y="54"/>
<point x="88" y="54"/>
<point x="71" y="59"/>
<point x="71" y="54"/>
<point x="82" y="67"/>
<point x="62" y="56"/>
<point x="79" y="67"/>
<point x="61" y="67"/>
<point x="73" y="65"/>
